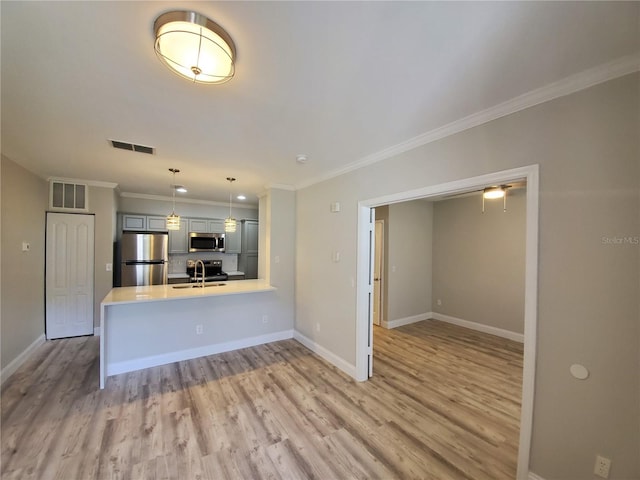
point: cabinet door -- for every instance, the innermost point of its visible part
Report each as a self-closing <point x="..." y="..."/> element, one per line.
<point x="134" y="222"/>
<point x="250" y="237"/>
<point x="157" y="224"/>
<point x="198" y="225"/>
<point x="232" y="241"/>
<point x="251" y="267"/>
<point x="215" y="226"/>
<point x="178" y="239"/>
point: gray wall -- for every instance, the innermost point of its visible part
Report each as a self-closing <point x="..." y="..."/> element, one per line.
<point x="408" y="259"/>
<point x="24" y="200"/>
<point x="479" y="260"/>
<point x="102" y="203"/>
<point x="277" y="249"/>
<point x="587" y="147"/>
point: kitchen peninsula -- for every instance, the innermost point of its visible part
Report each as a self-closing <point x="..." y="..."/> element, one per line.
<point x="142" y="327"/>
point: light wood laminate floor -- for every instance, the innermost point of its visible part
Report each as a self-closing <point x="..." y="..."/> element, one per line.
<point x="444" y="403"/>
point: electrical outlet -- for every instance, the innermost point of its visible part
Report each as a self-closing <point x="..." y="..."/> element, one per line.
<point x="199" y="329"/>
<point x="603" y="465"/>
<point x="265" y="318"/>
<point x="439" y="302"/>
<point x="317" y="326"/>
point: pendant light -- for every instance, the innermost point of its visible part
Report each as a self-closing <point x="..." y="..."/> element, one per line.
<point x="230" y="223"/>
<point x="173" y="220"/>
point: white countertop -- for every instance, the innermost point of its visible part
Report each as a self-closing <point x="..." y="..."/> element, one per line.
<point x="155" y="293"/>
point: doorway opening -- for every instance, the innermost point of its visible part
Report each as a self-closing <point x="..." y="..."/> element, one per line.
<point x="365" y="274"/>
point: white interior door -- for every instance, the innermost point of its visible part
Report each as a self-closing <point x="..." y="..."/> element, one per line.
<point x="69" y="275"/>
<point x="377" y="271"/>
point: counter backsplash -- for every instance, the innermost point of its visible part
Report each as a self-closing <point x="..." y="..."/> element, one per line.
<point x="178" y="262"/>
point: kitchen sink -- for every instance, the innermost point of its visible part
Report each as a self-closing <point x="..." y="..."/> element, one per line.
<point x="200" y="286"/>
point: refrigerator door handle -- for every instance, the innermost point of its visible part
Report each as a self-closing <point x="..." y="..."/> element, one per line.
<point x="144" y="262"/>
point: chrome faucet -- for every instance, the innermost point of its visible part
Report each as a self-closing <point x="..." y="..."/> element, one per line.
<point x="195" y="271"/>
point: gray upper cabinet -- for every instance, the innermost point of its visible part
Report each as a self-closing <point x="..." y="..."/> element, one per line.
<point x="215" y="226"/>
<point x="178" y="239"/>
<point x="134" y="222"/>
<point x="206" y="225"/>
<point x="157" y="224"/>
<point x="198" y="225"/>
<point x="143" y="223"/>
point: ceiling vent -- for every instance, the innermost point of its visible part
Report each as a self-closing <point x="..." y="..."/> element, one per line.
<point x="132" y="147"/>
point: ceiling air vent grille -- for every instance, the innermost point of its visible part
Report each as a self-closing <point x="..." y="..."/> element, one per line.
<point x="68" y="196"/>
<point x="131" y="147"/>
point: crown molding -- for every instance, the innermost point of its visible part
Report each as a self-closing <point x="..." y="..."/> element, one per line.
<point x="162" y="198"/>
<point x="566" y="86"/>
<point x="280" y="186"/>
<point x="91" y="183"/>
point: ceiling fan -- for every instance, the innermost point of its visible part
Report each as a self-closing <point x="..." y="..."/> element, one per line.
<point x="492" y="192"/>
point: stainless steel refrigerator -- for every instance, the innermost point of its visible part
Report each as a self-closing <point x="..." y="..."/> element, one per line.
<point x="144" y="259"/>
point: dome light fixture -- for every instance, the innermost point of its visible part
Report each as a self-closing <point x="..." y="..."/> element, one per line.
<point x="492" y="193"/>
<point x="230" y="223"/>
<point x="194" y="47"/>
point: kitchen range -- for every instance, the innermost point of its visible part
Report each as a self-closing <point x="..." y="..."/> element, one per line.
<point x="212" y="271"/>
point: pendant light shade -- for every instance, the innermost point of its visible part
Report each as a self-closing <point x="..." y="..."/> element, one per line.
<point x="194" y="47"/>
<point x="173" y="220"/>
<point x="230" y="223"/>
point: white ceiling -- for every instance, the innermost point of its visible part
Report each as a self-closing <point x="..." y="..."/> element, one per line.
<point x="338" y="81"/>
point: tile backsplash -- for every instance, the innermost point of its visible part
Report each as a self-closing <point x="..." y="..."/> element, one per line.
<point x="178" y="262"/>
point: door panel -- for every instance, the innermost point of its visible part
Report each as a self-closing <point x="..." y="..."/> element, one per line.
<point x="377" y="271"/>
<point x="69" y="275"/>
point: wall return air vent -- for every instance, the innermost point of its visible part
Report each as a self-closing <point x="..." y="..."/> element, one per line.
<point x="132" y="147"/>
<point x="68" y="196"/>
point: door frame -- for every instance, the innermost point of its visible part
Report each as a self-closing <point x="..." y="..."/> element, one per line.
<point x="379" y="251"/>
<point x="364" y="314"/>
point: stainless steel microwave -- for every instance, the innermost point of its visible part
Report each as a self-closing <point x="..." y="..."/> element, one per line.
<point x="206" y="242"/>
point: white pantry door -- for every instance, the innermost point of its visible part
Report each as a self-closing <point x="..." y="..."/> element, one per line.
<point x="69" y="275"/>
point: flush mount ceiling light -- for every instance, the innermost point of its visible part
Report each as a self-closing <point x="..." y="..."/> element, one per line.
<point x="492" y="193"/>
<point x="194" y="47"/>
<point x="180" y="188"/>
<point x="230" y="223"/>
<point x="173" y="220"/>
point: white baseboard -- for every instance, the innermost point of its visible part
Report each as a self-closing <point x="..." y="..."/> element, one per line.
<point x="398" y="322"/>
<point x="20" y="359"/>
<point x="533" y="476"/>
<point x="156" y="360"/>
<point x="329" y="356"/>
<point x="517" y="337"/>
